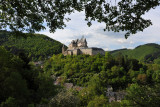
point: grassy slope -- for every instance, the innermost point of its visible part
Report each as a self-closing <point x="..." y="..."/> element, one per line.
<point x="140" y="52"/>
<point x="35" y="46"/>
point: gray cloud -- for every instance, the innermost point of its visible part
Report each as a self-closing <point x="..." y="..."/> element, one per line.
<point x="96" y="37"/>
<point x="111" y="33"/>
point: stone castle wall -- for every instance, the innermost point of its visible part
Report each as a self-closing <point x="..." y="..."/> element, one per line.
<point x="98" y="51"/>
<point x="87" y="51"/>
<point x="78" y="47"/>
<point x="76" y="52"/>
<point x="69" y="53"/>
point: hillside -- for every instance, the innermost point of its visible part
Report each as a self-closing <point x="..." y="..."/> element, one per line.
<point x="147" y="53"/>
<point x="91" y="77"/>
<point x="35" y="46"/>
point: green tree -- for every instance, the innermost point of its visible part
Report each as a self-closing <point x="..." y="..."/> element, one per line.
<point x="10" y="102"/>
<point x="142" y="96"/>
<point x="65" y="99"/>
<point x="98" y="101"/>
<point x="22" y="84"/>
<point x="29" y="15"/>
<point x="156" y="76"/>
<point x="16" y="87"/>
<point x="142" y="78"/>
<point x="96" y="87"/>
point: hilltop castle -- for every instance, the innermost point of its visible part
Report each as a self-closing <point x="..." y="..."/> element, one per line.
<point x="79" y="46"/>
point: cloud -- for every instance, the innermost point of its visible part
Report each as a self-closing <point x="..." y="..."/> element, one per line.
<point x="96" y="37"/>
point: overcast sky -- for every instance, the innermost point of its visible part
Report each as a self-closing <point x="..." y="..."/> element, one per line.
<point x="96" y="37"/>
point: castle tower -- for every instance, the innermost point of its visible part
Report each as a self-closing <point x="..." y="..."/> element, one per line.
<point x="82" y="42"/>
<point x="63" y="49"/>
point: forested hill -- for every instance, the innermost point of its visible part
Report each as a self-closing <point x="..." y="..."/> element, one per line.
<point x="148" y="53"/>
<point x="35" y="46"/>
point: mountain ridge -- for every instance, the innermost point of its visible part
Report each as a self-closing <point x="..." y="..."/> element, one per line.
<point x="149" y="52"/>
<point x="35" y="46"/>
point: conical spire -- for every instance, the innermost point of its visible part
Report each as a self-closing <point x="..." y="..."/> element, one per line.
<point x="83" y="39"/>
<point x="82" y="36"/>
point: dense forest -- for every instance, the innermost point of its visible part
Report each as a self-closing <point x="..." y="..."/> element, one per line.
<point x="148" y="53"/>
<point x="35" y="46"/>
<point x="23" y="84"/>
<point x="91" y="78"/>
<point x="95" y="73"/>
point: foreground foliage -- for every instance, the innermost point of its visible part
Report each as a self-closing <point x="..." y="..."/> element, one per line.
<point x="22" y="84"/>
<point x="30" y="15"/>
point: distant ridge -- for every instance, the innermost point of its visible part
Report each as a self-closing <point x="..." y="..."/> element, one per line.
<point x="35" y="46"/>
<point x="148" y="53"/>
<point x="114" y="51"/>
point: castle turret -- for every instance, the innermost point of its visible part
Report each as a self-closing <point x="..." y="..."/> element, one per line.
<point x="63" y="49"/>
<point x="82" y="42"/>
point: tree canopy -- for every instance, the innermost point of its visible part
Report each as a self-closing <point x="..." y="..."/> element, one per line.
<point x="35" y="46"/>
<point x="21" y="83"/>
<point x="96" y="77"/>
<point x="118" y="15"/>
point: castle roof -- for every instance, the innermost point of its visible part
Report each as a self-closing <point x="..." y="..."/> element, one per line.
<point x="93" y="48"/>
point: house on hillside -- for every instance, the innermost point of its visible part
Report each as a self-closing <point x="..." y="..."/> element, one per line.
<point x="114" y="96"/>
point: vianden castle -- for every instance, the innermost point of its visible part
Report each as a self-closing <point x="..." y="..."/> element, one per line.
<point x="79" y="46"/>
